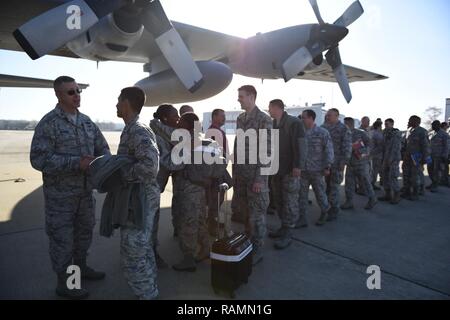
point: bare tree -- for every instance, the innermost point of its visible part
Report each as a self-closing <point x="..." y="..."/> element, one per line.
<point x="432" y="114"/>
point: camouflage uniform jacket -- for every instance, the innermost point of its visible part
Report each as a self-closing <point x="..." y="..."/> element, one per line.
<point x="448" y="141"/>
<point x="57" y="147"/>
<point x="360" y="135"/>
<point x="138" y="140"/>
<point x="165" y="144"/>
<point x="439" y="144"/>
<point x="257" y="120"/>
<point x="292" y="142"/>
<point x="416" y="141"/>
<point x="320" y="149"/>
<point x="392" y="140"/>
<point x="342" y="142"/>
<point x="163" y="135"/>
<point x="376" y="146"/>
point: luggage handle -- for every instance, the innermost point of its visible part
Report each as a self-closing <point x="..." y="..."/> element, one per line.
<point x="222" y="187"/>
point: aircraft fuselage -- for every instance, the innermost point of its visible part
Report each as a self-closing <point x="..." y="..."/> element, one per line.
<point x="261" y="56"/>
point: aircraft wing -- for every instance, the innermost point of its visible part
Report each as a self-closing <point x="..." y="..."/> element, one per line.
<point x="207" y="44"/>
<point x="7" y="80"/>
<point x="325" y="73"/>
<point x="15" y="13"/>
<point x="204" y="44"/>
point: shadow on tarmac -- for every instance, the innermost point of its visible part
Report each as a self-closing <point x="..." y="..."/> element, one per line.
<point x="409" y="242"/>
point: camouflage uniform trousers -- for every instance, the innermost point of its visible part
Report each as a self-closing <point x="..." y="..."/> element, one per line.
<point x="317" y="181"/>
<point x="69" y="223"/>
<point x="421" y="178"/>
<point x="360" y="186"/>
<point x="404" y="176"/>
<point x="192" y="221"/>
<point x="377" y="168"/>
<point x="358" y="172"/>
<point x="138" y="256"/>
<point x="285" y="191"/>
<point x="155" y="229"/>
<point x="436" y="170"/>
<point x="175" y="209"/>
<point x="162" y="178"/>
<point x="253" y="206"/>
<point x="334" y="181"/>
<point x="411" y="175"/>
<point x="446" y="173"/>
<point x="235" y="207"/>
<point x="390" y="176"/>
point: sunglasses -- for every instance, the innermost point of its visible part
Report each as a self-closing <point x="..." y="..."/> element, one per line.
<point x="73" y="91"/>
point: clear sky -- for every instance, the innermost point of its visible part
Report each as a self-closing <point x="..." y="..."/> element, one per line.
<point x="406" y="40"/>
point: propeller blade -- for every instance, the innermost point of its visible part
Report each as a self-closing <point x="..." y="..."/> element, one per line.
<point x="315" y="7"/>
<point x="334" y="60"/>
<point x="172" y="46"/>
<point x="54" y="28"/>
<point x="334" y="57"/>
<point x="341" y="77"/>
<point x="296" y="63"/>
<point x="353" y="12"/>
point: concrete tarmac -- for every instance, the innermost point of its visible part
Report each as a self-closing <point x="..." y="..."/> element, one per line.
<point x="409" y="242"/>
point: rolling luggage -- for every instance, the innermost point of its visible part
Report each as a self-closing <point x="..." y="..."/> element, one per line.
<point x="231" y="262"/>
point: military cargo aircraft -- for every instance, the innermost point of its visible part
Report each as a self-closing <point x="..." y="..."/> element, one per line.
<point x="185" y="63"/>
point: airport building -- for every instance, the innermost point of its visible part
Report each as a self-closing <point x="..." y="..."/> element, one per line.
<point x="231" y="116"/>
<point x="447" y="109"/>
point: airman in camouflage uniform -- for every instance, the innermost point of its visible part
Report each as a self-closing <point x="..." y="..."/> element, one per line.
<point x="439" y="154"/>
<point x="193" y="234"/>
<point x="365" y="125"/>
<point x="445" y="181"/>
<point x="193" y="231"/>
<point x="164" y="123"/>
<point x="358" y="167"/>
<point x="136" y="245"/>
<point x="376" y="153"/>
<point x="342" y="146"/>
<point x="391" y="160"/>
<point x="286" y="183"/>
<point x="64" y="143"/>
<point x="416" y="150"/>
<point x="404" y="171"/>
<point x="250" y="186"/>
<point x="320" y="159"/>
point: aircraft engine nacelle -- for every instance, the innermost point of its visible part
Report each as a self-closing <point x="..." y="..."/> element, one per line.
<point x="105" y="40"/>
<point x="317" y="61"/>
<point x="165" y="87"/>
